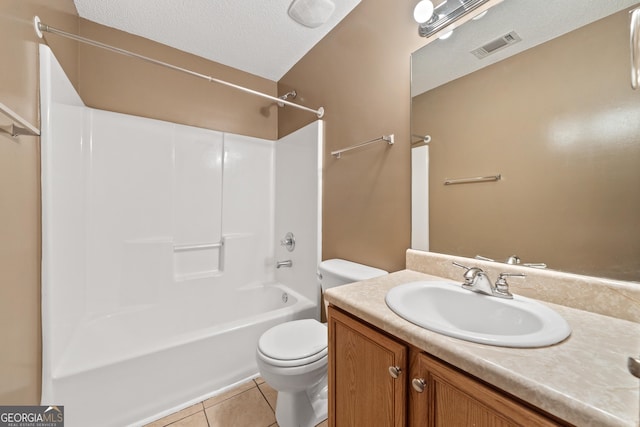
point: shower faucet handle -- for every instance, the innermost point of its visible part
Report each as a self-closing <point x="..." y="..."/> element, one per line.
<point x="289" y="241"/>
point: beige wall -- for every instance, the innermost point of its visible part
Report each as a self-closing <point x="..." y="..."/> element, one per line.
<point x="360" y="74"/>
<point x="560" y="122"/>
<point x="113" y="82"/>
<point x="20" y="193"/>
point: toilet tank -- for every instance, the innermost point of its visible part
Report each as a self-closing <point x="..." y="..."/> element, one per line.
<point x="336" y="272"/>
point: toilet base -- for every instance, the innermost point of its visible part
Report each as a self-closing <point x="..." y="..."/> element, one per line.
<point x="303" y="409"/>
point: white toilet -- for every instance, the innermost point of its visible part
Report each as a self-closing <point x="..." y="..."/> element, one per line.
<point x="292" y="357"/>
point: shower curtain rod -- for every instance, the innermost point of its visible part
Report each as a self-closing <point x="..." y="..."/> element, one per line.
<point x="40" y="27"/>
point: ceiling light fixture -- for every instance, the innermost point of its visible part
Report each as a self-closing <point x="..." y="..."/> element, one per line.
<point x="443" y="15"/>
<point x="311" y="13"/>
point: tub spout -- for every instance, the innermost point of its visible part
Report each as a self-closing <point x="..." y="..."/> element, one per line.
<point x="287" y="263"/>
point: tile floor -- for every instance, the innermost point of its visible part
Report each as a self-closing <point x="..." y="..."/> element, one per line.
<point x="251" y="404"/>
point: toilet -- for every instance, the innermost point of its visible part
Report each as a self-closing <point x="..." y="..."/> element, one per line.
<point x="292" y="357"/>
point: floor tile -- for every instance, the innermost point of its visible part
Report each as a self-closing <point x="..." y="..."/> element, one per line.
<point x="259" y="380"/>
<point x="162" y="422"/>
<point x="270" y="394"/>
<point x="196" y="420"/>
<point x="228" y="394"/>
<point x="247" y="409"/>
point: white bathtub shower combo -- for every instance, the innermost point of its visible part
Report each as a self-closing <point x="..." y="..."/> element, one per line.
<point x="159" y="249"/>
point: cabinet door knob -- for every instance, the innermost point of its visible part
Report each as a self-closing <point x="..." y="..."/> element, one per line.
<point x="394" y="371"/>
<point x="633" y="364"/>
<point x="418" y="384"/>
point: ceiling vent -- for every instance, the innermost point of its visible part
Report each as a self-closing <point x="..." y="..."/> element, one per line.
<point x="496" y="45"/>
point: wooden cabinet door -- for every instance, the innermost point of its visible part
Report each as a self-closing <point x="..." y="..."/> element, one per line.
<point x="362" y="390"/>
<point x="454" y="399"/>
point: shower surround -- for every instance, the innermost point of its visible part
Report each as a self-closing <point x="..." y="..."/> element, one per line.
<point x="159" y="251"/>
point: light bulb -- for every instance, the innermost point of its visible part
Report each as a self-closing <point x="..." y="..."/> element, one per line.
<point x="423" y="11"/>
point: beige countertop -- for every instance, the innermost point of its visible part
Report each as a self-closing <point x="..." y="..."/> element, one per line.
<point x="583" y="380"/>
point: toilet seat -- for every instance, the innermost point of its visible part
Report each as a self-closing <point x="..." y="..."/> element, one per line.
<point x="295" y="363"/>
<point x="294" y="343"/>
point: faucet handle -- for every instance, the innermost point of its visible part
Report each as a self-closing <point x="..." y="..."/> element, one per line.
<point x="535" y="265"/>
<point x="289" y="241"/>
<point x="461" y="266"/>
<point x="502" y="287"/>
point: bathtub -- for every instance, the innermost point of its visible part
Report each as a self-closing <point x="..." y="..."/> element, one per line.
<point x="144" y="363"/>
<point x="134" y="326"/>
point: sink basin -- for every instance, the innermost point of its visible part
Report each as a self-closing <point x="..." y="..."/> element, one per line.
<point x="446" y="308"/>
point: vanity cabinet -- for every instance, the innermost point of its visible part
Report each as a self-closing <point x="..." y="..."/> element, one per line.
<point x="377" y="380"/>
<point x="362" y="365"/>
<point x="442" y="396"/>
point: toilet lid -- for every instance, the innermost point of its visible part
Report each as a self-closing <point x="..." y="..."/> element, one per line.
<point x="294" y="340"/>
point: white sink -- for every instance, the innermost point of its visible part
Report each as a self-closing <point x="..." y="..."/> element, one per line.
<point x="446" y="308"/>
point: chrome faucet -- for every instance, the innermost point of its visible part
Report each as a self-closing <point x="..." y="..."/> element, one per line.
<point x="287" y="263"/>
<point x="477" y="280"/>
<point x="514" y="260"/>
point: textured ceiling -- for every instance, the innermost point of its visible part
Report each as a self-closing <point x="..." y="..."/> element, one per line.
<point x="535" y="21"/>
<point x="256" y="36"/>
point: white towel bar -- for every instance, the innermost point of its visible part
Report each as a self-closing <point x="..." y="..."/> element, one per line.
<point x="196" y="247"/>
<point x="13" y="130"/>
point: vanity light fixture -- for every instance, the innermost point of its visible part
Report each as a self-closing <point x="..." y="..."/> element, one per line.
<point x="443" y="15"/>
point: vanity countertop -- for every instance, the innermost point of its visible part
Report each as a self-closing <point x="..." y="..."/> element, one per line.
<point x="583" y="380"/>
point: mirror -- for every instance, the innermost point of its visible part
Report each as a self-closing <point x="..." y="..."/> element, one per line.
<point x="549" y="108"/>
